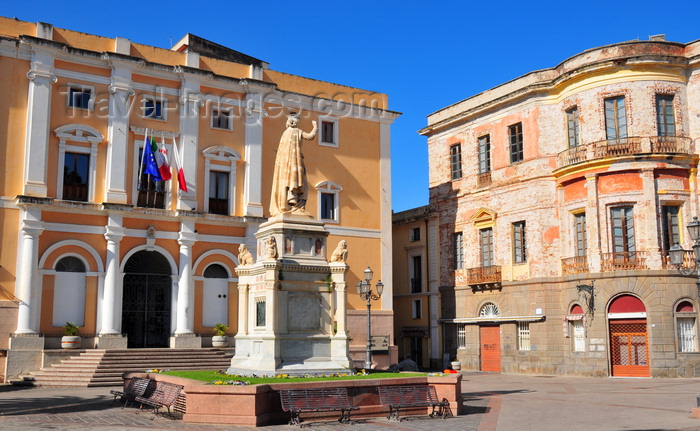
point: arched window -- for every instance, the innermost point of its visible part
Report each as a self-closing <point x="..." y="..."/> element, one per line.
<point x="69" y="292"/>
<point x="216" y="295"/>
<point x="489" y="310"/>
<point x="576" y="317"/>
<point x="686" y="319"/>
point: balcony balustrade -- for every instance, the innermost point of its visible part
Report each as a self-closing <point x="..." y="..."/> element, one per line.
<point x="623" y="260"/>
<point x="688" y="259"/>
<point x="484" y="276"/>
<point x="625" y="147"/>
<point x="574" y="265"/>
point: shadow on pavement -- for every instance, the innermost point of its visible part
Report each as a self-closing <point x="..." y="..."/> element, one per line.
<point x="53" y="405"/>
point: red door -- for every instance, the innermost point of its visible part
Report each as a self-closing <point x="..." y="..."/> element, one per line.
<point x="629" y="348"/>
<point x="490" y="348"/>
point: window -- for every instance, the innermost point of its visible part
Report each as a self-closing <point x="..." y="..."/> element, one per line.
<point x="458" y="246"/>
<point x="572" y="127"/>
<point x="576" y="317"/>
<point x="417" y="275"/>
<point x="523" y="336"/>
<point x="515" y="139"/>
<point x="221" y="118"/>
<point x="486" y="246"/>
<point x="328" y="197"/>
<point x="329" y="131"/>
<point x="670" y="227"/>
<point x="685" y="324"/>
<point x="415" y="234"/>
<point x="79" y="96"/>
<point x="580" y="229"/>
<point x="77" y="158"/>
<point x="75" y="176"/>
<point x="489" y="310"/>
<point x="456" y="161"/>
<point x="623" y="231"/>
<point x="615" y="118"/>
<point x="484" y="154"/>
<point x="519" y="248"/>
<point x="328" y="206"/>
<point x="151" y="192"/>
<point x="218" y="192"/>
<point x="417" y="309"/>
<point x="153" y="108"/>
<point x="665" y="118"/>
<point x="260" y="305"/>
<point x="220" y="168"/>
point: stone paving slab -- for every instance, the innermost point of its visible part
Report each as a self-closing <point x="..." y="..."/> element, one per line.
<point x="493" y="402"/>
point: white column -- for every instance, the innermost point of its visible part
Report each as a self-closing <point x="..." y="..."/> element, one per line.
<point x="185" y="291"/>
<point x="120" y="92"/>
<point x="110" y="308"/>
<point x="252" y="195"/>
<point x="27" y="277"/>
<point x="242" y="309"/>
<point x="36" y="151"/>
<point x="190" y="102"/>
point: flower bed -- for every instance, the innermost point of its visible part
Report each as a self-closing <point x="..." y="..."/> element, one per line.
<point x="256" y="405"/>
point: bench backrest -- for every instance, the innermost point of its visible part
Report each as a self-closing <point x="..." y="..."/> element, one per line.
<point x="166" y="393"/>
<point x="137" y="386"/>
<point x="393" y="395"/>
<point x="309" y="399"/>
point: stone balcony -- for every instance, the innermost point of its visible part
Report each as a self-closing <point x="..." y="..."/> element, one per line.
<point x="484" y="277"/>
<point x="629" y="146"/>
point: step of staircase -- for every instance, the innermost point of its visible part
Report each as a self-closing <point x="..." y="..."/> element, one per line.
<point x="101" y="367"/>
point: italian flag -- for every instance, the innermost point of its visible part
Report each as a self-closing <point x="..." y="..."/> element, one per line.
<point x="181" y="182"/>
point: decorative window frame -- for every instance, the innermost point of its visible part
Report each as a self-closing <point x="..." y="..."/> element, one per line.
<point x="163" y="108"/>
<point x="82" y="87"/>
<point x="82" y="134"/>
<point x="221" y="108"/>
<point x="138" y="145"/>
<point x="328" y="119"/>
<point x="226" y="155"/>
<point x="331" y="188"/>
<point x="685" y="314"/>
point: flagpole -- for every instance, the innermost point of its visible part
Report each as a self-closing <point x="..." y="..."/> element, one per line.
<point x="143" y="155"/>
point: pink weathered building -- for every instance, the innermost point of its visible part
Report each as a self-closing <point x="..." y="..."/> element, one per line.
<point x="559" y="194"/>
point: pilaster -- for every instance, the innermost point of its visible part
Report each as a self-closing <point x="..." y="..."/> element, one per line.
<point x="593" y="224"/>
<point x="120" y="93"/>
<point x="190" y="104"/>
<point x="252" y="194"/>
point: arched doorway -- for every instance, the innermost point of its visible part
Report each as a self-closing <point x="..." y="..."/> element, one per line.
<point x="629" y="346"/>
<point x="147" y="300"/>
<point x="490" y="339"/>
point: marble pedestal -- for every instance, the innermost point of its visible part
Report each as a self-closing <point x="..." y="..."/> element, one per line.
<point x="292" y="305"/>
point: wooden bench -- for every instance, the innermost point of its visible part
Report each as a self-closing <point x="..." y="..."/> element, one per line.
<point x="296" y="401"/>
<point x="137" y="387"/>
<point x="402" y="397"/>
<point x="164" y="395"/>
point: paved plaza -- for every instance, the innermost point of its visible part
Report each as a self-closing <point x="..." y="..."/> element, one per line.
<point x="492" y="402"/>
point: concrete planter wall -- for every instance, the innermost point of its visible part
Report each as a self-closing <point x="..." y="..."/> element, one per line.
<point x="257" y="405"/>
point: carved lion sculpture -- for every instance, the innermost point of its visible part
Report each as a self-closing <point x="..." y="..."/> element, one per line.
<point x="341" y="252"/>
<point x="244" y="255"/>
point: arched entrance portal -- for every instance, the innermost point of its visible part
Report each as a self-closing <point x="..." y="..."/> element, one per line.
<point x="147" y="298"/>
<point x="629" y="347"/>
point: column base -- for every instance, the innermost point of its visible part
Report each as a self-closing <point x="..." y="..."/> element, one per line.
<point x="111" y="341"/>
<point x="185" y="341"/>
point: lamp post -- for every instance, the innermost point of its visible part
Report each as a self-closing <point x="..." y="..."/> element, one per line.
<point x="677" y="254"/>
<point x="364" y="289"/>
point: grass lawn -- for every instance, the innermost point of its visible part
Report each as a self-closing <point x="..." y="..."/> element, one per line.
<point x="217" y="377"/>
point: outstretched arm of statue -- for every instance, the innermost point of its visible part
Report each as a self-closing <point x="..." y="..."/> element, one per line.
<point x="312" y="134"/>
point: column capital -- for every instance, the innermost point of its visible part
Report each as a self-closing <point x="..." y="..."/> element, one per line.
<point x="187" y="238"/>
<point x="32" y="227"/>
<point x="114" y="233"/>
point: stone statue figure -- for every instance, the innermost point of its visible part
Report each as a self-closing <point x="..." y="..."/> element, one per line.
<point x="244" y="256"/>
<point x="289" y="188"/>
<point x="271" y="248"/>
<point x="341" y="252"/>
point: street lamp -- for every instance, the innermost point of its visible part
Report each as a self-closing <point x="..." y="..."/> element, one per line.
<point x="677" y="254"/>
<point x="364" y="289"/>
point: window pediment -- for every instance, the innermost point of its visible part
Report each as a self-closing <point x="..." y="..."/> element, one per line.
<point x="484" y="218"/>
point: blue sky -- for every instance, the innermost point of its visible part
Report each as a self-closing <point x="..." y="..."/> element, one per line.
<point x="424" y="55"/>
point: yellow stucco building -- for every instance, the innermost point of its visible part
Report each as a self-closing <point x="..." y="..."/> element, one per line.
<point x="88" y="237"/>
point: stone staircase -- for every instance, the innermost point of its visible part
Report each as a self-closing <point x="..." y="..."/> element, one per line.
<point x="105" y="367"/>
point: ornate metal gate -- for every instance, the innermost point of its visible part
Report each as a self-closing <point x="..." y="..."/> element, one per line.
<point x="147" y="298"/>
<point x="629" y="348"/>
